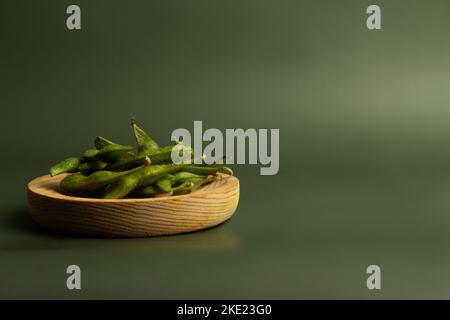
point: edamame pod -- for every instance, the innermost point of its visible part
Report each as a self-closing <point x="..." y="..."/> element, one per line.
<point x="121" y="188"/>
<point x="78" y="182"/>
<point x="182" y="177"/>
<point x="140" y="177"/>
<point x="162" y="155"/>
<point x="190" y="185"/>
<point x="153" y="173"/>
<point x="101" y="142"/>
<point x="67" y="165"/>
<point x="148" y="191"/>
<point x="91" y="166"/>
<point x="207" y="170"/>
<point x="184" y="188"/>
<point x="108" y="153"/>
<point x="125" y="164"/>
<point x="153" y="190"/>
<point x="145" y="143"/>
<point x="165" y="183"/>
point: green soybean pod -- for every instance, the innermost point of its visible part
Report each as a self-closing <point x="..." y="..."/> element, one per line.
<point x="121" y="188"/>
<point x="78" y="182"/>
<point x="145" y="143"/>
<point x="91" y="166"/>
<point x="101" y="142"/>
<point x="126" y="164"/>
<point x="184" y="188"/>
<point x="148" y="191"/>
<point x="90" y="153"/>
<point x="162" y="155"/>
<point x="165" y="184"/>
<point x="145" y="175"/>
<point x="191" y="185"/>
<point x="67" y="165"/>
<point x="107" y="154"/>
<point x="207" y="170"/>
<point x="141" y="177"/>
<point x="71" y="183"/>
<point x="183" y="176"/>
<point x="153" y="173"/>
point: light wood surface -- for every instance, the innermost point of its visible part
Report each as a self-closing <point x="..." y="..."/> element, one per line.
<point x="208" y="206"/>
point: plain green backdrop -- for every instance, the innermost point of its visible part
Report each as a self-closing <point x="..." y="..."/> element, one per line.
<point x="364" y="142"/>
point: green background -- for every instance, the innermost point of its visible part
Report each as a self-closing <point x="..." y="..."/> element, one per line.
<point x="364" y="142"/>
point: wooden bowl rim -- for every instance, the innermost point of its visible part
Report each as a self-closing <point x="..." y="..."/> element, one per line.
<point x="55" y="194"/>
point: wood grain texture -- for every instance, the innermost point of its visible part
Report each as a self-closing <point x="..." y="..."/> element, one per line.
<point x="208" y="206"/>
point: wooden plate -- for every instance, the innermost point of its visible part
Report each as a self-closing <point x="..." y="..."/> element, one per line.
<point x="208" y="206"/>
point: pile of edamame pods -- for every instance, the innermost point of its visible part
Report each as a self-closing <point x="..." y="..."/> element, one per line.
<point x="113" y="171"/>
